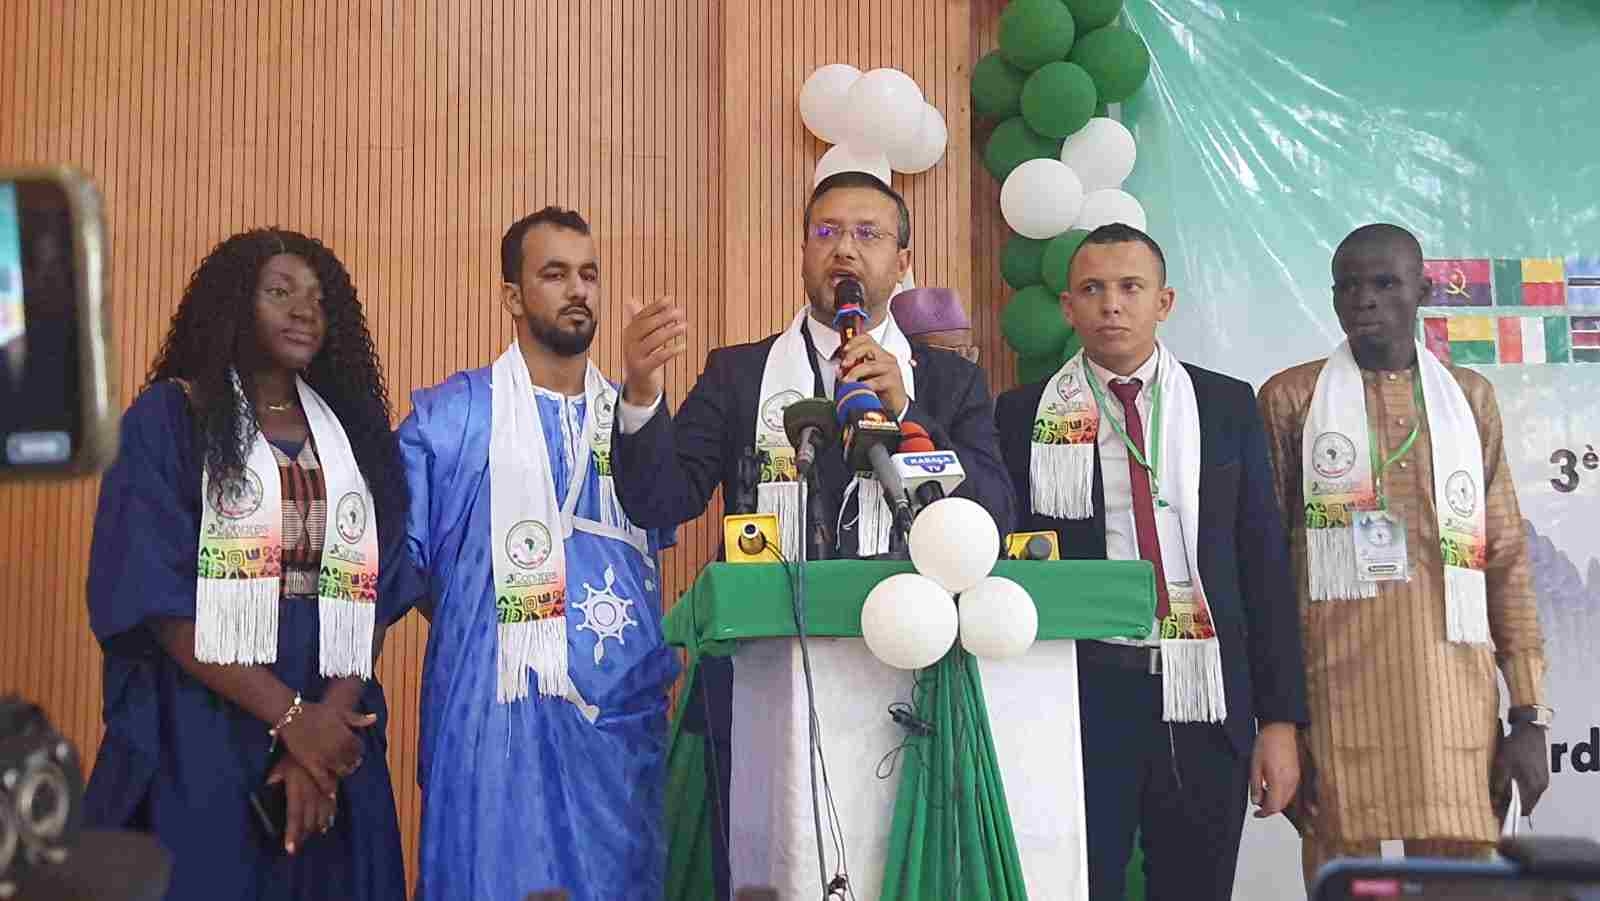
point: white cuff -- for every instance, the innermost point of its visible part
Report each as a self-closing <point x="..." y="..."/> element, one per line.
<point x="632" y="417"/>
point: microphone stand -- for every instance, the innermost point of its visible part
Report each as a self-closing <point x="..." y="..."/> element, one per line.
<point x="818" y="543"/>
<point x="899" y="529"/>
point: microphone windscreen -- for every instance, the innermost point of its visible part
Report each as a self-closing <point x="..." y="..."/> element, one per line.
<point x="847" y="293"/>
<point x="854" y="399"/>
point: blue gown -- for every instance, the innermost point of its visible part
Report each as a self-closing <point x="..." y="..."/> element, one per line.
<point x="530" y="795"/>
<point x="178" y="760"/>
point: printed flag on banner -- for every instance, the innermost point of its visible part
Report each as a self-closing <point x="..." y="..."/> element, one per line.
<point x="1529" y="282"/>
<point x="1460" y="339"/>
<point x="1533" y="339"/>
<point x="1459" y="283"/>
<point x="1586" y="339"/>
<point x="1471" y="339"/>
<point x="1583" y="282"/>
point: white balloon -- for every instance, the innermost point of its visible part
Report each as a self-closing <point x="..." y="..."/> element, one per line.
<point x="955" y="543"/>
<point x="998" y="619"/>
<point x="1041" y="198"/>
<point x="881" y="107"/>
<point x="1109" y="205"/>
<point x="908" y="621"/>
<point x="841" y="158"/>
<point x="822" y="100"/>
<point x="926" y="146"/>
<point x="1102" y="153"/>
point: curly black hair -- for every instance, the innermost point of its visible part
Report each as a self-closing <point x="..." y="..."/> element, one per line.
<point x="217" y="316"/>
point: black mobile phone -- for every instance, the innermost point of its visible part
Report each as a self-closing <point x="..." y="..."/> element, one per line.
<point x="1437" y="880"/>
<point x="57" y="379"/>
<point x="270" y="804"/>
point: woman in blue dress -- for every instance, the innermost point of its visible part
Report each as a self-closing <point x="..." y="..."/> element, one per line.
<point x="241" y="604"/>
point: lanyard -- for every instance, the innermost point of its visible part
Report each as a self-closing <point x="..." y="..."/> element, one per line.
<point x="1380" y="463"/>
<point x="1152" y="465"/>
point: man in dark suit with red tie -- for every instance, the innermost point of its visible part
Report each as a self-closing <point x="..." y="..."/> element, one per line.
<point x="1127" y="453"/>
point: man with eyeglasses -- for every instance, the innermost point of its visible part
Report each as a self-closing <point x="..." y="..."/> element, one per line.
<point x="667" y="466"/>
<point x="934" y="317"/>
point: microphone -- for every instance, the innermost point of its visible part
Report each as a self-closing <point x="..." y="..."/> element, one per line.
<point x="747" y="474"/>
<point x="929" y="474"/>
<point x="869" y="438"/>
<point x="849" y="309"/>
<point x="809" y="423"/>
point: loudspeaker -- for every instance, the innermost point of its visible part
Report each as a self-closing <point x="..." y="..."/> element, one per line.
<point x="751" y="538"/>
<point x="1032" y="546"/>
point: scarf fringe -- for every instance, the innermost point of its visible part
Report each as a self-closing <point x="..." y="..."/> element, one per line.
<point x="1063" y="480"/>
<point x="1331" y="566"/>
<point x="539" y="645"/>
<point x="236" y="621"/>
<point x="1191" y="683"/>
<point x="873" y="518"/>
<point x="783" y="500"/>
<point x="345" y="628"/>
<point x="1466" y="605"/>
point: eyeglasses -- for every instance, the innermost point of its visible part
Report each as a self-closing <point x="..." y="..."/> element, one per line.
<point x="865" y="235"/>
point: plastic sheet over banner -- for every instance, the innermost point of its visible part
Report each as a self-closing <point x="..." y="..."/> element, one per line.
<point x="1269" y="129"/>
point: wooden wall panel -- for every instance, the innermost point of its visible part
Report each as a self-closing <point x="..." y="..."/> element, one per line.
<point x="407" y="135"/>
<point x="770" y="48"/>
<point x="989" y="230"/>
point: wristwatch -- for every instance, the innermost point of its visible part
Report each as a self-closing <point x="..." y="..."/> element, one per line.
<point x="1537" y="714"/>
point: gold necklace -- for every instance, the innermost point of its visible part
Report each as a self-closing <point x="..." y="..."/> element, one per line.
<point x="280" y="408"/>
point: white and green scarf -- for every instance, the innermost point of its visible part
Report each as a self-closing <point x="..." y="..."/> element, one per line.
<point x="1338" y="480"/>
<point x="240" y="564"/>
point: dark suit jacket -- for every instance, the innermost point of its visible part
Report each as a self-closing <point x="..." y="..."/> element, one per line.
<point x="666" y="472"/>
<point x="1243" y="554"/>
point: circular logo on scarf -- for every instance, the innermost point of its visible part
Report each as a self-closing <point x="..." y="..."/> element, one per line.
<point x="772" y="410"/>
<point x="1460" y="493"/>
<point x="604" y="411"/>
<point x="1069" y="389"/>
<point x="236" y="498"/>
<point x="350" y="517"/>
<point x="1333" y="455"/>
<point x="528" y="545"/>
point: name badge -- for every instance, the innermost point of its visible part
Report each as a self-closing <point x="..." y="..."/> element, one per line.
<point x="1380" y="547"/>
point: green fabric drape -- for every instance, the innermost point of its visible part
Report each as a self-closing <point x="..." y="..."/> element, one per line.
<point x="951" y="834"/>
<point x="951" y="825"/>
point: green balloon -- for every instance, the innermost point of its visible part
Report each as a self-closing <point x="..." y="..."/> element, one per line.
<point x="1033" y="323"/>
<point x="1091" y="14"/>
<point x="1036" y="369"/>
<point x="1035" y="32"/>
<point x="997" y="87"/>
<point x="1013" y="143"/>
<point x="1058" y="99"/>
<point x="1057" y="255"/>
<point x="1019" y="261"/>
<point x="1116" y="59"/>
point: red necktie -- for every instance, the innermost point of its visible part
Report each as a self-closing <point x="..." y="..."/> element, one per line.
<point x="1144" y="508"/>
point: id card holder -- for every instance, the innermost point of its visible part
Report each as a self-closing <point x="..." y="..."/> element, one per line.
<point x="1380" y="539"/>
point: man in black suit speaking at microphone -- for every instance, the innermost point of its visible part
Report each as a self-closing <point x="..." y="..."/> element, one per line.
<point x="857" y="230"/>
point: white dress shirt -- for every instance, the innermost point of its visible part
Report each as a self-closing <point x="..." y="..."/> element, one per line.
<point x="632" y="417"/>
<point x="1122" y="541"/>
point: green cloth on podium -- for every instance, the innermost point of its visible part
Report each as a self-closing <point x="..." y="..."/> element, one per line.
<point x="934" y="844"/>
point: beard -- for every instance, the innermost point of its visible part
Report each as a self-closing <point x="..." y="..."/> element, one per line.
<point x="561" y="341"/>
